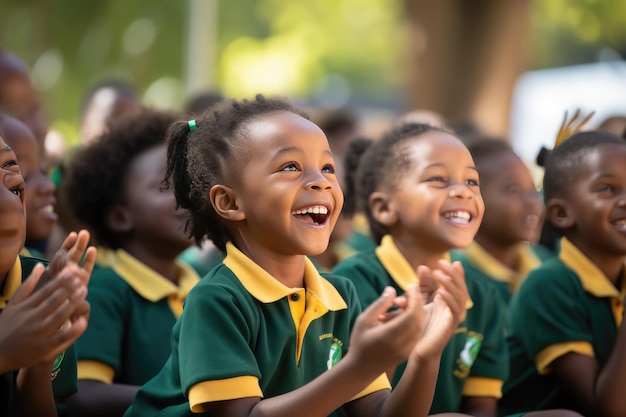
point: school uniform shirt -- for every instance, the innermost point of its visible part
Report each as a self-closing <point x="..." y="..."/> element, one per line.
<point x="244" y="334"/>
<point x="565" y="305"/>
<point x="482" y="266"/>
<point x="63" y="372"/>
<point x="475" y="362"/>
<point x="133" y="309"/>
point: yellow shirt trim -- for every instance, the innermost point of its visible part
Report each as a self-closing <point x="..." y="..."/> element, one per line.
<point x="544" y="359"/>
<point x="593" y="280"/>
<point x="222" y="389"/>
<point x="360" y="224"/>
<point x="317" y="298"/>
<point x="380" y="383"/>
<point x="398" y="267"/>
<point x="482" y="387"/>
<point x="151" y="285"/>
<point x="491" y="266"/>
<point x="105" y="256"/>
<point x="26" y="252"/>
<point x="95" y="370"/>
<point x="11" y="283"/>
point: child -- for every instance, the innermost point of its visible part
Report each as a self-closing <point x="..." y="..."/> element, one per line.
<point x="114" y="186"/>
<point x="568" y="339"/>
<point x="39" y="191"/>
<point x="18" y="98"/>
<point x="502" y="253"/>
<point x="263" y="333"/>
<point x="37" y="325"/>
<point x="419" y="190"/>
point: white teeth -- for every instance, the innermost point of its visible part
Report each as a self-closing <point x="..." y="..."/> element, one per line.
<point x="312" y="210"/>
<point x="620" y="224"/>
<point x="48" y="208"/>
<point x="461" y="217"/>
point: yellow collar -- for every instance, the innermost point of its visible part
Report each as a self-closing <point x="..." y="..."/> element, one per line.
<point x="12" y="283"/>
<point x="491" y="266"/>
<point x="360" y="224"/>
<point x="148" y="283"/>
<point x="265" y="288"/>
<point x="398" y="267"/>
<point x="592" y="279"/>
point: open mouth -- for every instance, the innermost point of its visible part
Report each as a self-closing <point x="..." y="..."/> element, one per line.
<point x="312" y="215"/>
<point x="458" y="217"/>
<point x="620" y="224"/>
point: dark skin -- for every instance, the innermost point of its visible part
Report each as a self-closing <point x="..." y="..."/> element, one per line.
<point x="587" y="211"/>
<point x="152" y="232"/>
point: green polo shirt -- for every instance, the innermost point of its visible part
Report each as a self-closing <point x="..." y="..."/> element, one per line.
<point x="482" y="266"/>
<point x="133" y="309"/>
<point x="244" y="334"/>
<point x="63" y="374"/>
<point x="566" y="305"/>
<point x="474" y="363"/>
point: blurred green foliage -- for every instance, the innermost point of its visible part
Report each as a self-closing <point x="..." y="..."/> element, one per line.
<point x="303" y="49"/>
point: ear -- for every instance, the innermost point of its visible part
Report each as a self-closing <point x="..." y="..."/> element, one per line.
<point x="119" y="219"/>
<point x="559" y="213"/>
<point x="224" y="201"/>
<point x="382" y="209"/>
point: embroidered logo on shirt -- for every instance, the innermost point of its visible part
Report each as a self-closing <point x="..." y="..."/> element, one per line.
<point x="335" y="353"/>
<point x="57" y="365"/>
<point x="468" y="354"/>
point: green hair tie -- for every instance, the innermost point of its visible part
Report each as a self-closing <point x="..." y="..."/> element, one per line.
<point x="192" y="125"/>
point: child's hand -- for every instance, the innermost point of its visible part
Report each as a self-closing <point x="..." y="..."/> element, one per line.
<point x="385" y="338"/>
<point x="445" y="312"/>
<point x="35" y="325"/>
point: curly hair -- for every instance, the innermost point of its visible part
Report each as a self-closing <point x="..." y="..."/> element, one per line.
<point x="95" y="174"/>
<point x="197" y="160"/>
<point x="383" y="164"/>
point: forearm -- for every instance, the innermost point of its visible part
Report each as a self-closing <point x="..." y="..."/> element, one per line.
<point x="33" y="396"/>
<point x="95" y="399"/>
<point x="336" y="386"/>
<point x="413" y="396"/>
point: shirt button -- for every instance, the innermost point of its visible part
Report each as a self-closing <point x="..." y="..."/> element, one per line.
<point x="295" y="297"/>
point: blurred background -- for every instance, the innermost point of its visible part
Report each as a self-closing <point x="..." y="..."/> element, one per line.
<point x="510" y="67"/>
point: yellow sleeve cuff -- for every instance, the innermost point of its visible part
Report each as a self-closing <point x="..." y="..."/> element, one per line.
<point x="544" y="358"/>
<point x="482" y="387"/>
<point x="95" y="370"/>
<point x="382" y="382"/>
<point x="222" y="389"/>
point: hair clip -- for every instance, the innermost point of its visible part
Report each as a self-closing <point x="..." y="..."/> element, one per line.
<point x="192" y="125"/>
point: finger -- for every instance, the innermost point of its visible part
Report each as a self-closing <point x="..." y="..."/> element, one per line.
<point x="76" y="252"/>
<point x="63" y="339"/>
<point x="83" y="310"/>
<point x="89" y="260"/>
<point x="454" y="294"/>
<point x="381" y="305"/>
<point x="69" y="241"/>
<point x="54" y="293"/>
<point x="28" y="286"/>
<point x="55" y="319"/>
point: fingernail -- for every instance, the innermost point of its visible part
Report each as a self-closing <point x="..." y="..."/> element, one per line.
<point x="388" y="291"/>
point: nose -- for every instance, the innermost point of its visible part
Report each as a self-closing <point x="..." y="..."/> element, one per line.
<point x="317" y="181"/>
<point x="460" y="191"/>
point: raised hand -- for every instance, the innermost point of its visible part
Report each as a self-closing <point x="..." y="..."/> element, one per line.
<point x="35" y="325"/>
<point x="445" y="312"/>
<point x="385" y="338"/>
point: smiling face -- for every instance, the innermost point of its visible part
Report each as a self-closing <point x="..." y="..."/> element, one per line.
<point x="288" y="195"/>
<point x="12" y="213"/>
<point x="436" y="203"/>
<point x="39" y="194"/>
<point x="595" y="203"/>
<point x="512" y="205"/>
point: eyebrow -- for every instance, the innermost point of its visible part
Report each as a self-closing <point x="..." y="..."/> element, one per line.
<point x="439" y="164"/>
<point x="295" y="149"/>
<point x="7" y="148"/>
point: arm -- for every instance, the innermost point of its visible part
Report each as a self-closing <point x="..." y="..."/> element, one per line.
<point x="33" y="396"/>
<point x="378" y="341"/>
<point x="97" y="399"/>
<point x="479" y="406"/>
<point x="597" y="391"/>
<point x="414" y="393"/>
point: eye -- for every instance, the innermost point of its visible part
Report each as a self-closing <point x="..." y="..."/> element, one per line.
<point x="471" y="183"/>
<point x="18" y="191"/>
<point x="291" y="166"/>
<point x="328" y="169"/>
<point x="9" y="164"/>
<point x="436" y="179"/>
<point x="604" y="188"/>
